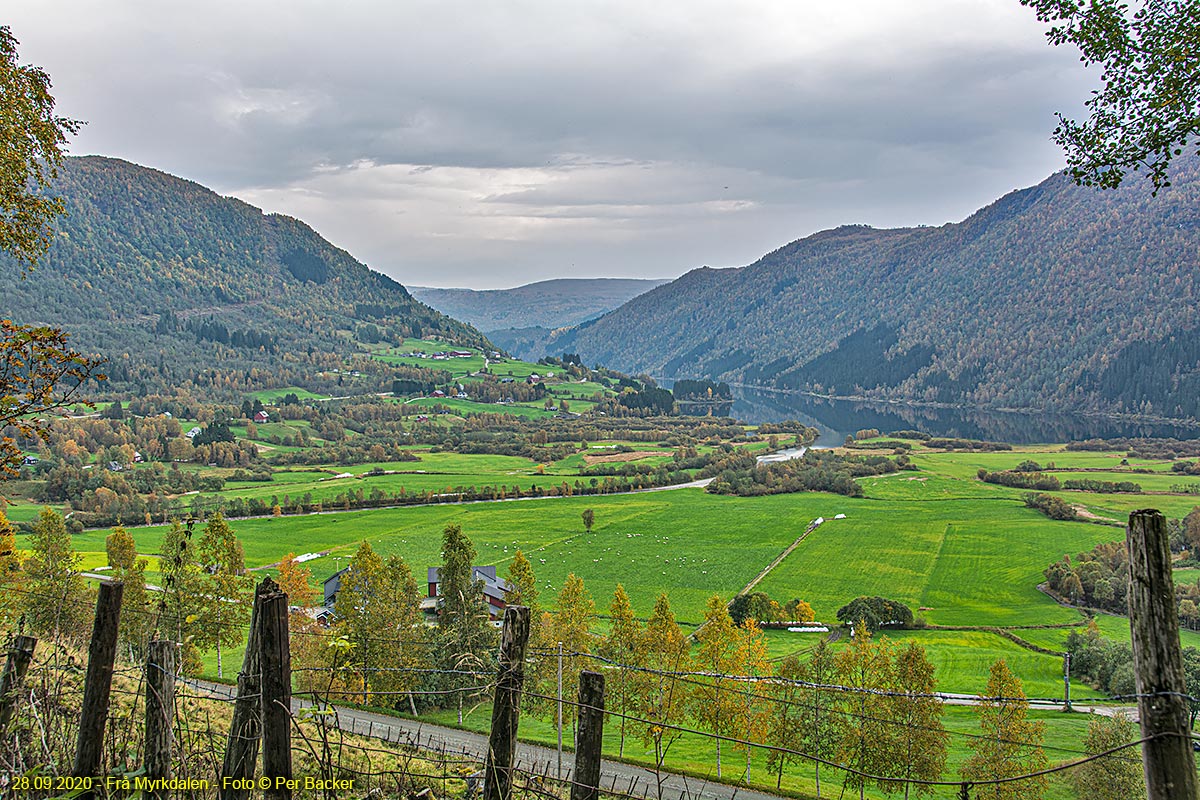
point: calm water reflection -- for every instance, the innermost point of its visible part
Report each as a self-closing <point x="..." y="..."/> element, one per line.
<point x="837" y="418"/>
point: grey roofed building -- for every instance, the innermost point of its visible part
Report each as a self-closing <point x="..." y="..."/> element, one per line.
<point x="331" y="586"/>
<point x="495" y="589"/>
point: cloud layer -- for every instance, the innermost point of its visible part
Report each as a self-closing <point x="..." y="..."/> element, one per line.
<point x="491" y="144"/>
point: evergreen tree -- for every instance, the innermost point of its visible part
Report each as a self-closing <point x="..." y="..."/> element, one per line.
<point x="461" y="594"/>
<point x="1011" y="744"/>
<point x="57" y="599"/>
<point x="466" y="641"/>
<point x="1114" y="777"/>
<point x="919" y="734"/>
<point x="624" y="645"/>
<point x="227" y="589"/>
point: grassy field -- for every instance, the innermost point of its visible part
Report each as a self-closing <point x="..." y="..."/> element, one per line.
<point x="696" y="755"/>
<point x="963" y="552"/>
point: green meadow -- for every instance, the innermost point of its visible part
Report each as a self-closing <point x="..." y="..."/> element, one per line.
<point x="960" y="552"/>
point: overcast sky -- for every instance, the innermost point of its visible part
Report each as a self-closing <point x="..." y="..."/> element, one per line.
<point x="490" y="144"/>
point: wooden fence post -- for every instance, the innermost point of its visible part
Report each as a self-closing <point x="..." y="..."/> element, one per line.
<point x="161" y="663"/>
<point x="89" y="747"/>
<point x="276" y="660"/>
<point x="506" y="707"/>
<point x="241" y="749"/>
<point x="1158" y="661"/>
<point x="590" y="740"/>
<point x="20" y="656"/>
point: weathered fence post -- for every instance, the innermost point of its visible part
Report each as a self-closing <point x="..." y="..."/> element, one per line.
<point x="20" y="656"/>
<point x="1066" y="682"/>
<point x="160" y="713"/>
<point x="276" y="659"/>
<point x="89" y="747"/>
<point x="1158" y="662"/>
<point x="502" y="742"/>
<point x="241" y="749"/>
<point x="590" y="740"/>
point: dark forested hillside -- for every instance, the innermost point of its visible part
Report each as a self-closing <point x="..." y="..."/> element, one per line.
<point x="1054" y="296"/>
<point x="178" y="286"/>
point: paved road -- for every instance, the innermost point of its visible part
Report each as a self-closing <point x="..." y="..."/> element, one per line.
<point x="536" y="759"/>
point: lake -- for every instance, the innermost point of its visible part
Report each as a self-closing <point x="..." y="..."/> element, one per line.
<point x="838" y="418"/>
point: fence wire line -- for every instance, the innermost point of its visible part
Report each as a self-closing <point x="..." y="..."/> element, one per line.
<point x="866" y="775"/>
<point x="683" y="675"/>
<point x="849" y="770"/>
<point x="680" y="673"/>
<point x="690" y="676"/>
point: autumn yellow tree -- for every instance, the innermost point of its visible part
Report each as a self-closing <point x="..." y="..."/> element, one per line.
<point x="57" y="600"/>
<point x="717" y="702"/>
<point x="38" y="370"/>
<point x="916" y="715"/>
<point x="573" y="630"/>
<point x="1117" y="776"/>
<point x="137" y="621"/>
<point x="752" y="662"/>
<point x="867" y="742"/>
<point x="227" y="589"/>
<point x="625" y="647"/>
<point x="295" y="581"/>
<point x="12" y="577"/>
<point x="664" y="699"/>
<point x="1011" y="744"/>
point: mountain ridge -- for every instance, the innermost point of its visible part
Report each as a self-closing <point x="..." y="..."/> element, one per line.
<point x="1022" y="304"/>
<point x="553" y="303"/>
<point x="174" y="283"/>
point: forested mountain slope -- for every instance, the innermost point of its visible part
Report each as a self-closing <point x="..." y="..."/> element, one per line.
<point x="1054" y="296"/>
<point x="178" y="286"/>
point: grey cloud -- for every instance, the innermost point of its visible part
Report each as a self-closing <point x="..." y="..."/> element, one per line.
<point x="503" y="142"/>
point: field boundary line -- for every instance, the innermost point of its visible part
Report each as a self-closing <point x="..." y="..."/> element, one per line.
<point x="812" y="526"/>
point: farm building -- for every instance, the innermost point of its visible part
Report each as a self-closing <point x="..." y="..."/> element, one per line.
<point x="494" y="590"/>
<point x="331" y="585"/>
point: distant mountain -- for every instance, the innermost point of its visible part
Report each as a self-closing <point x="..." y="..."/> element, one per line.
<point x="1054" y="296"/>
<point x="521" y="320"/>
<point x="557" y="303"/>
<point x="178" y="286"/>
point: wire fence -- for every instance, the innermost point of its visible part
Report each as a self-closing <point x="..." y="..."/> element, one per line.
<point x="334" y="731"/>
